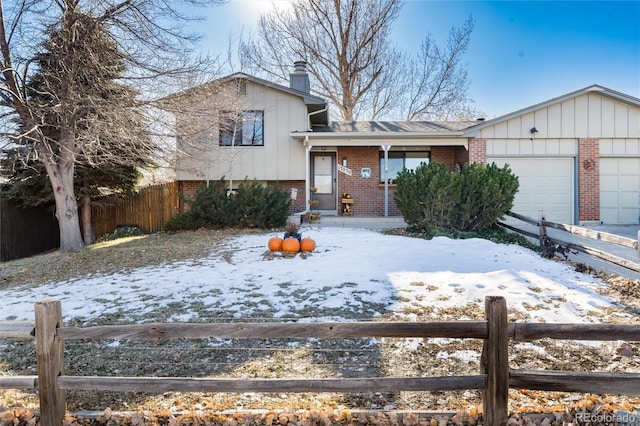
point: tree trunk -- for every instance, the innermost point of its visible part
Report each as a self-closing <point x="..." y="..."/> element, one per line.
<point x="87" y="229"/>
<point x="61" y="178"/>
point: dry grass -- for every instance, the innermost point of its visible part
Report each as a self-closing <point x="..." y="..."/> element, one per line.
<point x="109" y="257"/>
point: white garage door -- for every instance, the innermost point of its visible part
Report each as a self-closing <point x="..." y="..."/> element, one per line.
<point x="546" y="184"/>
<point x="620" y="190"/>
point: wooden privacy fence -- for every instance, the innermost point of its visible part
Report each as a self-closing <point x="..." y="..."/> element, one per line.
<point x="150" y="209"/>
<point x="589" y="234"/>
<point x="26" y="231"/>
<point x="494" y="378"/>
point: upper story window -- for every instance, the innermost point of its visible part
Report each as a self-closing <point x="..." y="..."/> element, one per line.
<point x="399" y="160"/>
<point x="244" y="128"/>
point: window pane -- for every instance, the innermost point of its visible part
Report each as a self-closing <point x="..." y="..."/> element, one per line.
<point x="395" y="166"/>
<point x="252" y="125"/>
<point x="227" y="127"/>
<point x="398" y="160"/>
<point x="324" y="184"/>
<point x="412" y="163"/>
<point x="246" y="128"/>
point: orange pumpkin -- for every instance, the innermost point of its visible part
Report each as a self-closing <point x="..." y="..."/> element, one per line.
<point x="290" y="245"/>
<point x="275" y="244"/>
<point x="307" y="244"/>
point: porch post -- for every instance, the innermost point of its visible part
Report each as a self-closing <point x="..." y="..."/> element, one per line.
<point x="385" y="148"/>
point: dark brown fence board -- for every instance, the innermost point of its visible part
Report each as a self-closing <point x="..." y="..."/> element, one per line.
<point x="460" y="329"/>
<point x="183" y="384"/>
<point x="26" y="232"/>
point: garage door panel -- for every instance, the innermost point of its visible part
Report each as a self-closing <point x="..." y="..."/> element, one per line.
<point x="629" y="184"/>
<point x="628" y="166"/>
<point x="620" y="190"/>
<point x="628" y="199"/>
<point x="546" y="184"/>
<point x="608" y="182"/>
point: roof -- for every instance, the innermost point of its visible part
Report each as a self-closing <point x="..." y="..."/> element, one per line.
<point x="315" y="104"/>
<point x="308" y="98"/>
<point x="427" y="127"/>
<point x="601" y="90"/>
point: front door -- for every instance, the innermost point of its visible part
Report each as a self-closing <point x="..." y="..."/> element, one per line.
<point x="323" y="177"/>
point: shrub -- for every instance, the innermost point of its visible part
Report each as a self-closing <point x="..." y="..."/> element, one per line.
<point x="121" y="231"/>
<point x="183" y="221"/>
<point x="253" y="205"/>
<point x="431" y="198"/>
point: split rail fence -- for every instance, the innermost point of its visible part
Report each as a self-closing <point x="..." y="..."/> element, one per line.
<point x="582" y="240"/>
<point x="494" y="378"/>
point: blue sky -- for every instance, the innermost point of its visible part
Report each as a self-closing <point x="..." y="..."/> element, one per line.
<point x="521" y="52"/>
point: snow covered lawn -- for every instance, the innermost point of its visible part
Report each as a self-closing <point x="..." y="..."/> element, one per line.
<point x="353" y="274"/>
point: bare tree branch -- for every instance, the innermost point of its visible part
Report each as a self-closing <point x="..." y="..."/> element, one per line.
<point x="353" y="63"/>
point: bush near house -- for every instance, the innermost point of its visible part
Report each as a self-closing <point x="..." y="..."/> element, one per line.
<point x="433" y="199"/>
<point x="253" y="205"/>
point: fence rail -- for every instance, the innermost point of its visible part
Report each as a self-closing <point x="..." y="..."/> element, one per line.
<point x="588" y="239"/>
<point x="495" y="377"/>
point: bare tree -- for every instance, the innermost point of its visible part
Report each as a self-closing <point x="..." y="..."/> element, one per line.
<point x="153" y="47"/>
<point x="353" y="62"/>
<point x="436" y="84"/>
<point x="346" y="44"/>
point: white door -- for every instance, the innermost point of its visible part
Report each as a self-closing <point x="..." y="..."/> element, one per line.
<point x="620" y="190"/>
<point x="546" y="184"/>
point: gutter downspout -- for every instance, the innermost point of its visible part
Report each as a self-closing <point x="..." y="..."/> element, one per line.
<point x="307" y="173"/>
<point x="314" y="113"/>
<point x="386" y="148"/>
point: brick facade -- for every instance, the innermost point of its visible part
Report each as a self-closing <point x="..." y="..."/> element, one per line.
<point x="477" y="151"/>
<point x="588" y="179"/>
<point x="368" y="193"/>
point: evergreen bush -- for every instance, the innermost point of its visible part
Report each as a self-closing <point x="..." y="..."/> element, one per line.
<point x="253" y="205"/>
<point x="431" y="198"/>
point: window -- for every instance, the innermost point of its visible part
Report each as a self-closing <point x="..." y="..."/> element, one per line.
<point x="399" y="160"/>
<point x="242" y="128"/>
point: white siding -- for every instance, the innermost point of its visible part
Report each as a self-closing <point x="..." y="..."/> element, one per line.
<point x="281" y="157"/>
<point x="590" y="115"/>
<point x="535" y="147"/>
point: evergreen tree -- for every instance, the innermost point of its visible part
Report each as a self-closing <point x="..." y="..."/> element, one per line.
<point x="111" y="133"/>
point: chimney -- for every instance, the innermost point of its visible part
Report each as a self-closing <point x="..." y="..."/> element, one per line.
<point x="299" y="78"/>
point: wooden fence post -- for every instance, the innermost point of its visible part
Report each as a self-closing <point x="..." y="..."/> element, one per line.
<point x="50" y="356"/>
<point x="495" y="363"/>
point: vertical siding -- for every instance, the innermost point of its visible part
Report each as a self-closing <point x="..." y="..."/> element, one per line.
<point x="281" y="158"/>
<point x="594" y="116"/>
<point x="590" y="115"/>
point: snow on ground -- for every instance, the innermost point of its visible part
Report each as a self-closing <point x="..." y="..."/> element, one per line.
<point x="356" y="271"/>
